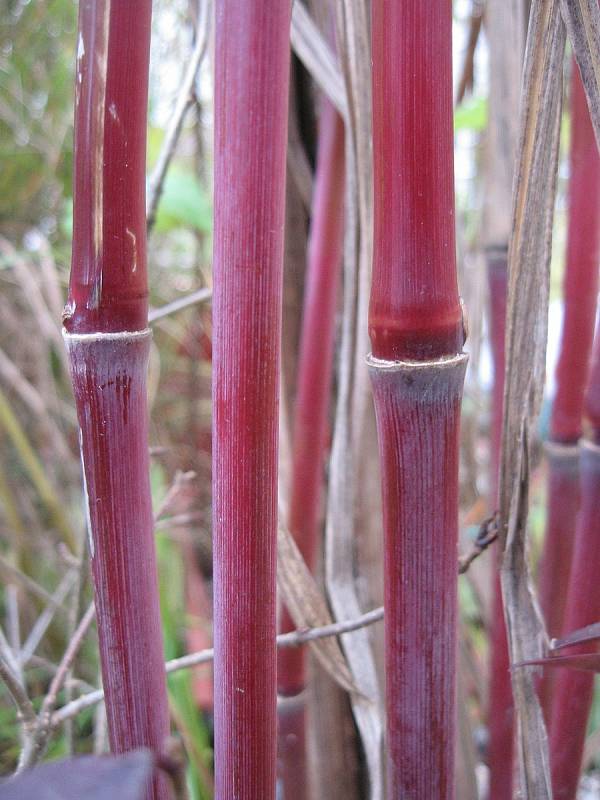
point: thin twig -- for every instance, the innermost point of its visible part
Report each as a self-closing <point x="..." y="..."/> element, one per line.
<point x="67" y="660"/>
<point x="185" y="100"/>
<point x="178" y="305"/>
<point x="292" y="639"/>
<point x="488" y="533"/>
<point x="17" y="692"/>
<point x="44" y="620"/>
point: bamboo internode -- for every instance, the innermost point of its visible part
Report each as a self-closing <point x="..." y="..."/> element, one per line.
<point x="417" y="373"/>
<point x="252" y="54"/>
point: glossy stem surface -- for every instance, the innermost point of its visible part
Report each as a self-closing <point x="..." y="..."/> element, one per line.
<point x="417" y="372"/>
<point x="252" y="55"/>
<point x="105" y="322"/>
<point x="109" y="381"/>
<point x="500" y="706"/>
<point x="108" y="289"/>
<point x="573" y="691"/>
<point x="580" y="287"/>
<point x="414" y="312"/>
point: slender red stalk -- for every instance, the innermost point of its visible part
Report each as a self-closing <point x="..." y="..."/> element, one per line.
<point x="573" y="690"/>
<point x="581" y="274"/>
<point x="580" y="290"/>
<point x="501" y="707"/>
<point x="417" y="372"/>
<point x="310" y="421"/>
<point x="251" y="95"/>
<point x="105" y="323"/>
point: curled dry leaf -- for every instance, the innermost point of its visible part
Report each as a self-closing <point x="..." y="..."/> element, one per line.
<point x="308" y="608"/>
<point x="529" y="259"/>
<point x="582" y="20"/>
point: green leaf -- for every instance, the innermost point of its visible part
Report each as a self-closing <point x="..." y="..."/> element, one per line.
<point x="471" y="115"/>
<point x="183" y="203"/>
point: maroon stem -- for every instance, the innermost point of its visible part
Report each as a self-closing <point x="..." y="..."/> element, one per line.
<point x="315" y="365"/>
<point x="573" y="690"/>
<point x="417" y="372"/>
<point x="106" y="333"/>
<point x="581" y="273"/>
<point x="251" y="95"/>
<point x="580" y="291"/>
<point x="310" y="420"/>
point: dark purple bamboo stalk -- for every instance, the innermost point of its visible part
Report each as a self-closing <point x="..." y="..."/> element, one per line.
<point x="580" y="292"/>
<point x="105" y="327"/>
<point x="310" y="422"/>
<point x="251" y="96"/>
<point x="417" y="371"/>
<point x="573" y="690"/>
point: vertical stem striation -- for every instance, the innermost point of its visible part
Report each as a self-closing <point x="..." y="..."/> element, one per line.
<point x="310" y="419"/>
<point x="251" y="97"/>
<point x="105" y="329"/>
<point x="415" y="311"/>
<point x="417" y="372"/>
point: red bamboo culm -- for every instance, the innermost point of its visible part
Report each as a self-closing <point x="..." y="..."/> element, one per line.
<point x="251" y="96"/>
<point x="573" y="690"/>
<point x="310" y="423"/>
<point x="105" y="328"/>
<point x="580" y="292"/>
<point x="417" y="371"/>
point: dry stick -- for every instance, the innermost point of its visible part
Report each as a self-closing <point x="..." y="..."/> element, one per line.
<point x="315" y="364"/>
<point x="529" y="256"/>
<point x="43" y="622"/>
<point x="291" y="639"/>
<point x="580" y="291"/>
<point x="105" y="329"/>
<point x="417" y="371"/>
<point x="185" y="100"/>
<point x="467" y="76"/>
<point x="25" y="712"/>
<point x="252" y="55"/>
<point x="199" y="296"/>
<point x="353" y="395"/>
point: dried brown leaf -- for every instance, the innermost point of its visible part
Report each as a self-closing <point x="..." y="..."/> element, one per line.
<point x="529" y="258"/>
<point x="587" y="662"/>
<point x="582" y="20"/>
<point x="308" y="608"/>
<point x="591" y="633"/>
<point x="353" y="40"/>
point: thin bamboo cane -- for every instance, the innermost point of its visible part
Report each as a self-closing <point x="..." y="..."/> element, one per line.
<point x="573" y="690"/>
<point x="580" y="292"/>
<point x="417" y="372"/>
<point x="310" y="420"/>
<point x="504" y="22"/>
<point x="251" y="97"/>
<point x="105" y="329"/>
